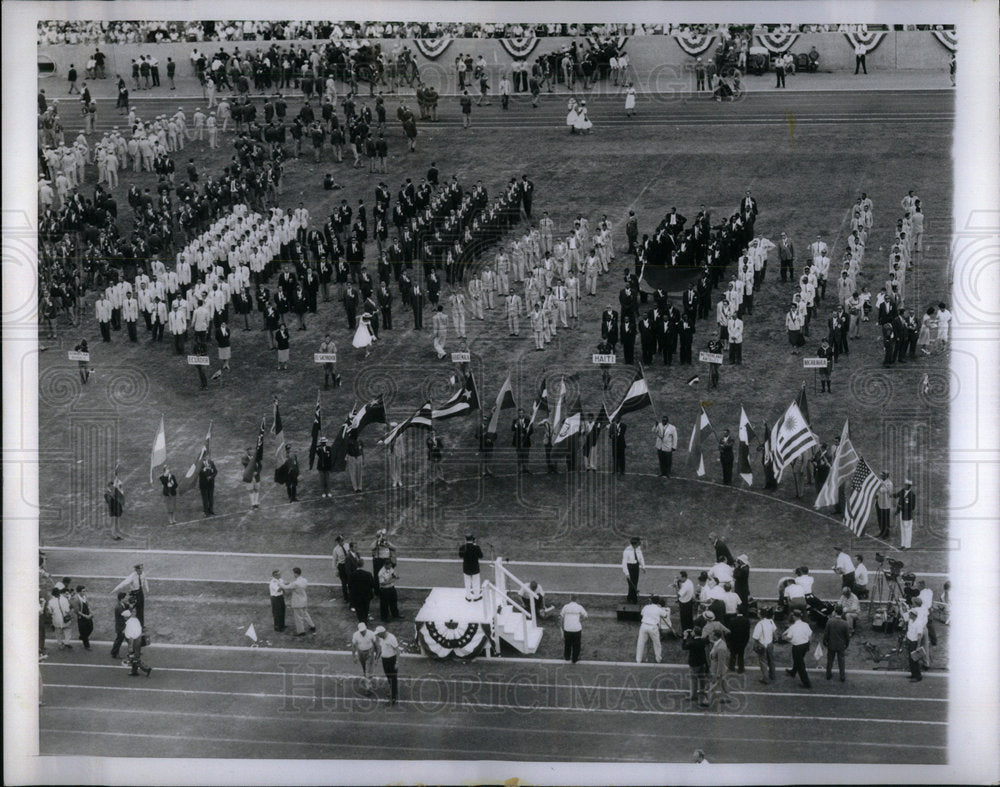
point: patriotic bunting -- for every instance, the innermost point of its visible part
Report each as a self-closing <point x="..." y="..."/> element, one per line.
<point x="871" y="40"/>
<point x="947" y="38"/>
<point x="694" y="43"/>
<point x="432" y="48"/>
<point x="777" y="43"/>
<point x="519" y="48"/>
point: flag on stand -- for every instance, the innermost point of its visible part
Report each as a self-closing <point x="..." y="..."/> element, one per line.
<point x="845" y="462"/>
<point x="746" y="435"/>
<point x="635" y="398"/>
<point x="571" y="425"/>
<point x="316" y="428"/>
<point x="790" y="438"/>
<point x="700" y="434"/>
<point x="190" y="478"/>
<point x="257" y="460"/>
<point x="158" y="456"/>
<point x="421" y="418"/>
<point x="864" y="486"/>
<point x="541" y="402"/>
<point x="278" y="431"/>
<point x="594" y="433"/>
<point x="505" y="400"/>
<point x="371" y="412"/>
<point x="462" y="402"/>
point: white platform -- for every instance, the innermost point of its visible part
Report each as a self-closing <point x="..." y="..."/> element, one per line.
<point x="449" y="604"/>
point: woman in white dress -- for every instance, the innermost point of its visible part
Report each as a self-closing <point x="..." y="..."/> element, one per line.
<point x="582" y="123"/>
<point x="363" y="336"/>
<point x="928" y="330"/>
<point x="630" y="100"/>
<point x="571" y="115"/>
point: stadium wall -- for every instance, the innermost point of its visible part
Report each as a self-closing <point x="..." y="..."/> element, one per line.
<point x="656" y="60"/>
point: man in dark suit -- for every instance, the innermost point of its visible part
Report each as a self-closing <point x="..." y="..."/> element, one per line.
<point x="836" y="638"/>
<point x="417" y="304"/>
<point x="351" y="299"/>
<point x="206" y="485"/>
<point x="362" y="587"/>
<point x="748" y="208"/>
<point x="609" y="327"/>
<point x="674" y="223"/>
<point x="618" y="444"/>
<point x="786" y="256"/>
<point x="522" y="431"/>
<point x="527" y="193"/>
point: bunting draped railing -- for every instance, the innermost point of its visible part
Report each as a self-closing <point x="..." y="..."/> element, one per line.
<point x="947" y="38"/>
<point x="432" y="48"/>
<point x="870" y="39"/>
<point x="777" y="43"/>
<point x="693" y="42"/>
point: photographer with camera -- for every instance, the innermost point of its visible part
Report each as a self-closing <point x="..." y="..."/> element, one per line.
<point x="382" y="553"/>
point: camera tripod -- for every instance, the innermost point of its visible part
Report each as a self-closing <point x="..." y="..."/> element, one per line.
<point x="887" y="594"/>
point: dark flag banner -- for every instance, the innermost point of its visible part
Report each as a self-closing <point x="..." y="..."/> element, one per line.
<point x="462" y="402"/>
<point x="257" y="461"/>
<point x="421" y="418"/>
<point x="635" y="398"/>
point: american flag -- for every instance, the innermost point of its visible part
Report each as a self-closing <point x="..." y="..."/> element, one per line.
<point x="864" y="486"/>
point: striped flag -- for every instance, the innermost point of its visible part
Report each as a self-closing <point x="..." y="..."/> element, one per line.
<point x="570" y="426"/>
<point x="864" y="486"/>
<point x="316" y="429"/>
<point x="370" y="412"/>
<point x="635" y="398"/>
<point x="421" y="418"/>
<point x="541" y="402"/>
<point x="462" y="402"/>
<point x="594" y="433"/>
<point x="790" y="438"/>
<point x="278" y="430"/>
<point x="845" y="462"/>
<point x="700" y="434"/>
<point x="257" y="460"/>
<point x="158" y="456"/>
<point x="190" y="478"/>
<point x="803" y="405"/>
<point x="746" y="435"/>
<point x="505" y="400"/>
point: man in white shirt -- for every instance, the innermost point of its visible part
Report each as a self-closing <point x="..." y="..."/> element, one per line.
<point x="685" y="601"/>
<point x="136" y="584"/>
<point x="632" y="563"/>
<point x="763" y="644"/>
<point x="799" y="635"/>
<point x="363" y="644"/>
<point x="62" y="619"/>
<point x="388" y="651"/>
<point x="845" y="568"/>
<point x="860" y="50"/>
<point x="653" y="615"/>
<point x="277" y="600"/>
<point x="721" y="572"/>
<point x="860" y="578"/>
<point x="914" y="638"/>
<point x="572" y="616"/>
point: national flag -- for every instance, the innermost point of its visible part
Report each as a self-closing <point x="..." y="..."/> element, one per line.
<point x="845" y="462"/>
<point x="158" y="456"/>
<point x="370" y="412"/>
<point x="570" y="426"/>
<point x="252" y="632"/>
<point x="803" y="405"/>
<point x="190" y="478"/>
<point x="635" y="398"/>
<point x="278" y="431"/>
<point x="421" y="418"/>
<point x="594" y="433"/>
<point x="560" y="397"/>
<point x="462" y="402"/>
<point x="316" y="427"/>
<point x="338" y="450"/>
<point x="541" y="404"/>
<point x="746" y="435"/>
<point x="790" y="438"/>
<point x="257" y="460"/>
<point x="700" y="434"/>
<point x="505" y="401"/>
<point x="864" y="486"/>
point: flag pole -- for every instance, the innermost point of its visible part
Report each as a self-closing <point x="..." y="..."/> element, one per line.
<point x="652" y="405"/>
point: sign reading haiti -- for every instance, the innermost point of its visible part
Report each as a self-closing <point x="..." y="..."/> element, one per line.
<point x="706" y="357"/>
<point x="324" y="357"/>
<point x="599" y="358"/>
<point x="199" y="360"/>
<point x="814" y="363"/>
<point x="461" y="357"/>
<point x="76" y="355"/>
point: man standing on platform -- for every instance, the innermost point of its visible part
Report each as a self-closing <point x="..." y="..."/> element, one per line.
<point x="632" y="563"/>
<point x="471" y="554"/>
<point x="277" y="601"/>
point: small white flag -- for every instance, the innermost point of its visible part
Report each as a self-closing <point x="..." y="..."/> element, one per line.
<point x="252" y="633"/>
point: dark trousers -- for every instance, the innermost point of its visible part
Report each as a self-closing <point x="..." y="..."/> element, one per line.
<point x="342" y="573"/>
<point x="361" y="609"/>
<point x="140" y="606"/>
<point x="666" y="460"/>
<point x="208" y="498"/>
<point x="847" y="580"/>
<point x="571" y="645"/>
<point x="132" y="335"/>
<point x="278" y="612"/>
<point x="840" y="664"/>
<point x="884" y="521"/>
<point x="85" y="628"/>
<point x="859" y="62"/>
<point x="392" y="675"/>
<point x="779" y="74"/>
<point x="117" y="644"/>
<point x="377" y="563"/>
<point x="915" y="669"/>
<point x="179" y="342"/>
<point x="633" y="583"/>
<point x="787" y="268"/>
<point x="727" y="472"/>
<point x="687" y="615"/>
<point x="105" y="331"/>
<point x="799" y="663"/>
<point x="388" y="603"/>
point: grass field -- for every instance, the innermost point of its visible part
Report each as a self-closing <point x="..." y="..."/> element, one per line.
<point x="805" y="178"/>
